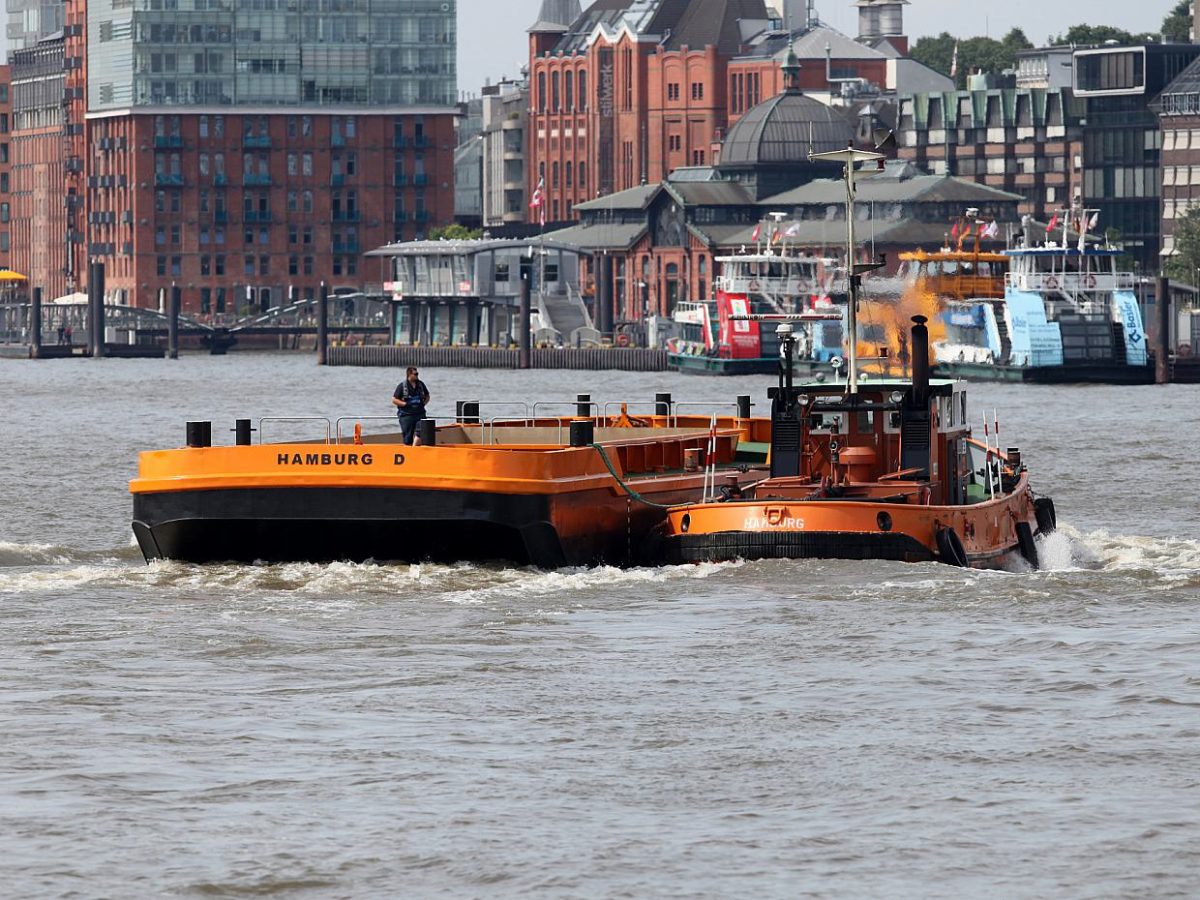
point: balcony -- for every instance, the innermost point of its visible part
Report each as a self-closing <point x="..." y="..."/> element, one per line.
<point x="420" y="180"/>
<point x="421" y="142"/>
<point x="221" y="216"/>
<point x="348" y="247"/>
<point x="258" y="141"/>
<point x="220" y="180"/>
<point x="256" y="215"/>
<point x="257" y="180"/>
<point x="346" y="215"/>
<point x="167" y="141"/>
<point x="399" y="217"/>
<point x="163" y="179"/>
<point x="400" y="143"/>
<point x="337" y="180"/>
<point x="400" y="181"/>
<point x="337" y="140"/>
<point x="421" y="215"/>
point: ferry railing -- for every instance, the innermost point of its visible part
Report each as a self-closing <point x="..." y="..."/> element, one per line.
<point x="673" y="417"/>
<point x="265" y="419"/>
<point x="338" y="430"/>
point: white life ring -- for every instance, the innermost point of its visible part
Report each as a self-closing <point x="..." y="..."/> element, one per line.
<point x="1051" y="282"/>
<point x="1089" y="281"/>
<point x="753" y="284"/>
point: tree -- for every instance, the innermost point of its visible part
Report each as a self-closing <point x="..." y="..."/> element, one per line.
<point x="980" y="54"/>
<point x="1082" y="35"/>
<point x="1185" y="264"/>
<point x="455" y="232"/>
<point x="1177" y="26"/>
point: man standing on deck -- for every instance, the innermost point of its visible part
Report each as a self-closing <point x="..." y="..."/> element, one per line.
<point x="410" y="399"/>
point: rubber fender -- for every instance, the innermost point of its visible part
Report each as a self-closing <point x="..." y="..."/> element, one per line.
<point x="950" y="548"/>
<point x="1047" y="519"/>
<point x="1026" y="544"/>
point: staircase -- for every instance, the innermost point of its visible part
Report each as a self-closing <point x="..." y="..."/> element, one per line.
<point x="564" y="312"/>
<point x="1002" y="328"/>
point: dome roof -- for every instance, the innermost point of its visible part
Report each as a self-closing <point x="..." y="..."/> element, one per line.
<point x="782" y="130"/>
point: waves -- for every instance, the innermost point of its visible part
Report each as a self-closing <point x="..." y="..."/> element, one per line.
<point x="1154" y="563"/>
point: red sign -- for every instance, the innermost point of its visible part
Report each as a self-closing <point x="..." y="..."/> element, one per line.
<point x="738" y="339"/>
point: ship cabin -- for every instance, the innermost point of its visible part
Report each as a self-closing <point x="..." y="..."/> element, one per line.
<point x="892" y="440"/>
<point x="1067" y="273"/>
<point x="955" y="274"/>
<point x="776" y="276"/>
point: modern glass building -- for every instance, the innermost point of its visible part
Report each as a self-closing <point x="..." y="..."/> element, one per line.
<point x="292" y="53"/>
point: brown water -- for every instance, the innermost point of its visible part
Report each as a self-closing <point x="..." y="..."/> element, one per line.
<point x="760" y="729"/>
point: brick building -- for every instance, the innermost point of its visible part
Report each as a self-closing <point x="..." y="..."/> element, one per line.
<point x="629" y="90"/>
<point x="1178" y="109"/>
<point x="40" y="234"/>
<point x="1027" y="141"/>
<point x="6" y="211"/>
<point x="243" y="154"/>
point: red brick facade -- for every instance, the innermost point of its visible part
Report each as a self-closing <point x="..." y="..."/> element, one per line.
<point x="621" y="114"/>
<point x="6" y="209"/>
<point x="218" y="203"/>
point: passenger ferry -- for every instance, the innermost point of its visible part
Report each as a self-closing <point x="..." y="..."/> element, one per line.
<point x="715" y="337"/>
<point x="1067" y="314"/>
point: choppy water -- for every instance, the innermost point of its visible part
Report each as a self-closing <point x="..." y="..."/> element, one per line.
<point x="762" y="729"/>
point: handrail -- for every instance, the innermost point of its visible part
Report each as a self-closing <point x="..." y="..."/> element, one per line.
<point x="575" y="403"/>
<point x="359" y="419"/>
<point x="706" y="404"/>
<point x="328" y="426"/>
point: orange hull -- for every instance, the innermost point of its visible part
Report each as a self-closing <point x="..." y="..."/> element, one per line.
<point x="990" y="534"/>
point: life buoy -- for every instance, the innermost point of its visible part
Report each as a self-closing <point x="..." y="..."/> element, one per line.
<point x="1026" y="544"/>
<point x="1184" y="350"/>
<point x="753" y="284"/>
<point x="622" y="340"/>
<point x="1051" y="282"/>
<point x="1089" y="281"/>
<point x="950" y="548"/>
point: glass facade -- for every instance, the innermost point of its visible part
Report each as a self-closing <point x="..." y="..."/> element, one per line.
<point x="31" y="20"/>
<point x="312" y="53"/>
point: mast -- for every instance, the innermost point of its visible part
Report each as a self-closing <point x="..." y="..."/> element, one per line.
<point x="849" y="158"/>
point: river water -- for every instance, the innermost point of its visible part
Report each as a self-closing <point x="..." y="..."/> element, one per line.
<point x="772" y="729"/>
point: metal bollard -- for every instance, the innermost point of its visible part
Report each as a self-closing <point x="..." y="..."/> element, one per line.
<point x="662" y="404"/>
<point x="242" y="430"/>
<point x="427" y="432"/>
<point x="199" y="434"/>
<point x="743" y="406"/>
<point x="583" y="434"/>
<point x="583" y="405"/>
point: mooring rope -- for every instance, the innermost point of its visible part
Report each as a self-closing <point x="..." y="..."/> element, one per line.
<point x="626" y="488"/>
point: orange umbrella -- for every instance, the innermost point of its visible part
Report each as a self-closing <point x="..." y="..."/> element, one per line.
<point x="8" y="275"/>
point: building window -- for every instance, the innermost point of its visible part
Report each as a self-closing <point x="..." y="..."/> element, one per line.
<point x="293" y="265"/>
<point x="160" y="265"/>
<point x="176" y="266"/>
<point x="697" y="157"/>
<point x="569" y="83"/>
<point x="308" y="265"/>
<point x="541" y="92"/>
<point x="583" y="94"/>
<point x="554" y="174"/>
<point x="697" y="90"/>
<point x="568" y="172"/>
<point x="672" y="91"/>
<point x="219" y="269"/>
<point x="582" y="174"/>
<point x="205" y="300"/>
<point x="293" y="164"/>
<point x="674" y="143"/>
<point x="264" y="265"/>
<point x="205" y="265"/>
<point x="554" y="92"/>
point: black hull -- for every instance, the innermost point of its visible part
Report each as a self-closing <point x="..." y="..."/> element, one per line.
<point x="352" y="524"/>
<point x="1073" y="374"/>
<point x="730" y="545"/>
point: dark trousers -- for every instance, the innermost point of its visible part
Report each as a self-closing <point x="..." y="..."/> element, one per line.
<point x="408" y="427"/>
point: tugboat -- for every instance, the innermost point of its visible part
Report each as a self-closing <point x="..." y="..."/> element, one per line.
<point x="720" y="337"/>
<point x="869" y="470"/>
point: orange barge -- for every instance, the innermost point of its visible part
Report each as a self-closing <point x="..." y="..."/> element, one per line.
<point x="543" y="491"/>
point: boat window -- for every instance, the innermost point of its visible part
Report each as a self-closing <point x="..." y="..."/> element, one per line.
<point x="865" y="423"/>
<point x="825" y="423"/>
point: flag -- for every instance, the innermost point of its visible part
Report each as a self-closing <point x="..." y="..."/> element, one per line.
<point x="954" y="231"/>
<point x="539" y="200"/>
<point x="794" y="229"/>
<point x="991" y="231"/>
<point x="776" y="234"/>
<point x="1093" y="221"/>
<point x="1052" y="224"/>
<point x="757" y="233"/>
<point x="954" y="62"/>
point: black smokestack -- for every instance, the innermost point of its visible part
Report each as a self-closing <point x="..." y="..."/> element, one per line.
<point x="920" y="361"/>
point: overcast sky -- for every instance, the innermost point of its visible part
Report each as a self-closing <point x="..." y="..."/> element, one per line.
<point x="492" y="41"/>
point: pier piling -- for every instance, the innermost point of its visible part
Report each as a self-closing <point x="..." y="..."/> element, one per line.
<point x="96" y="308"/>
<point x="322" y="323"/>
<point x="523" y="324"/>
<point x="35" y="324"/>
<point x="1162" y="336"/>
<point x="173" y="323"/>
